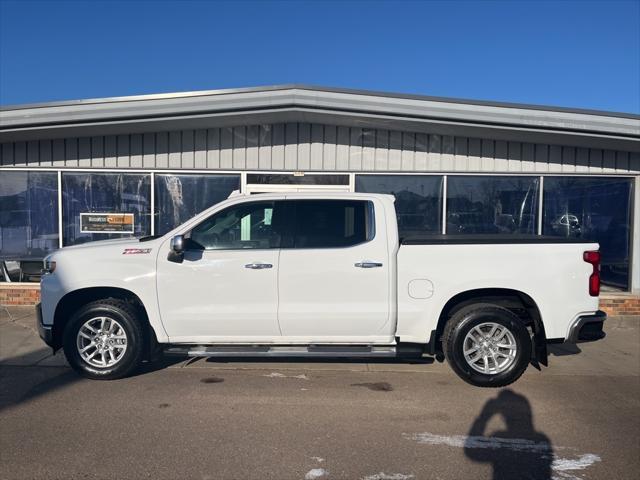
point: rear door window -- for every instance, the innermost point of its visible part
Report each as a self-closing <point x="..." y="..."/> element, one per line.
<point x="332" y="223"/>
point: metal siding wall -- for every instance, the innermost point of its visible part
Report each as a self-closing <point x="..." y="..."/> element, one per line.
<point x="304" y="147"/>
<point x="213" y="148"/>
<point x="252" y="147"/>
<point x="264" y="147"/>
<point x="315" y="147"/>
<point x="200" y="146"/>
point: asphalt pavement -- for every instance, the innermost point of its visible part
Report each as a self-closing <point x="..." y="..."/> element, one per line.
<point x="320" y="420"/>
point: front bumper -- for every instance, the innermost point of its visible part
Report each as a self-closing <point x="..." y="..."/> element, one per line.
<point x="587" y="328"/>
<point x="45" y="331"/>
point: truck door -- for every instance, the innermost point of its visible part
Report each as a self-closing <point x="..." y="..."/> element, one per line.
<point x="226" y="288"/>
<point x="335" y="277"/>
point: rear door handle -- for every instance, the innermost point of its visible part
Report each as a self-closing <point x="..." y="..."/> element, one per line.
<point x="367" y="264"/>
<point x="258" y="266"/>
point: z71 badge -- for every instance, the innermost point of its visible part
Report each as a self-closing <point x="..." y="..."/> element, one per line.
<point x="136" y="251"/>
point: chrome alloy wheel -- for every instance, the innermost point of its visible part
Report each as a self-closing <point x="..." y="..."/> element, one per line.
<point x="101" y="342"/>
<point x="490" y="348"/>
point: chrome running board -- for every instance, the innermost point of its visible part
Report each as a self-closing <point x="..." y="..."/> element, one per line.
<point x="346" y="351"/>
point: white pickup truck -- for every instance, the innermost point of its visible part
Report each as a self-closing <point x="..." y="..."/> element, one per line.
<point x="319" y="275"/>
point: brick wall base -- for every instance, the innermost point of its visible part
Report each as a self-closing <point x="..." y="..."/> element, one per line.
<point x="19" y="294"/>
<point x="620" y="304"/>
<point x="612" y="303"/>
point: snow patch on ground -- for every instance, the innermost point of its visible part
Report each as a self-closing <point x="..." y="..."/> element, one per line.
<point x="518" y="444"/>
<point x="388" y="476"/>
<point x="318" y="459"/>
<point x="315" y="473"/>
<point x="561" y="467"/>
<point x="281" y="375"/>
<point x="562" y="464"/>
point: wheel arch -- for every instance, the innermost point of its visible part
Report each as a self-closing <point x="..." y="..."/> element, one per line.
<point x="516" y="301"/>
<point x="75" y="299"/>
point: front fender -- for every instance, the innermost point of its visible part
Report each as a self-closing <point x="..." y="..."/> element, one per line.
<point x="77" y="270"/>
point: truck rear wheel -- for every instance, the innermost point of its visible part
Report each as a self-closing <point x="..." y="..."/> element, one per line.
<point x="104" y="340"/>
<point x="487" y="345"/>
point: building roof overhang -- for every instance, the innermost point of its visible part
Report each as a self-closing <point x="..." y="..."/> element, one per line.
<point x="298" y="103"/>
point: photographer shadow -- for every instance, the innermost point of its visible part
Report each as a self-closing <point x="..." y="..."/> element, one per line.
<point x="517" y="452"/>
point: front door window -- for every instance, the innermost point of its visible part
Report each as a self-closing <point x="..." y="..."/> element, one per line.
<point x="248" y="225"/>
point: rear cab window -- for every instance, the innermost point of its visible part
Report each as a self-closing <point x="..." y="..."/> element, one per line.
<point x="332" y="223"/>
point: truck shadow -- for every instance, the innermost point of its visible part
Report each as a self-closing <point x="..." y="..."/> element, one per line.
<point x="518" y="451"/>
<point x="563" y="349"/>
<point x="23" y="379"/>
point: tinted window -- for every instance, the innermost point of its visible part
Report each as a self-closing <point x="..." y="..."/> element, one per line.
<point x="180" y="197"/>
<point x="418" y="199"/>
<point x="597" y="209"/>
<point x="248" y="225"/>
<point x="332" y="223"/>
<point x="288" y="179"/>
<point x="502" y="205"/>
<point x="28" y="223"/>
<point x="28" y="214"/>
<point x="104" y="193"/>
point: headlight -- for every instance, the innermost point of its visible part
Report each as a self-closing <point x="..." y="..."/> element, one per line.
<point x="48" y="266"/>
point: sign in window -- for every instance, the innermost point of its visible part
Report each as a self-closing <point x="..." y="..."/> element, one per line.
<point x="106" y="222"/>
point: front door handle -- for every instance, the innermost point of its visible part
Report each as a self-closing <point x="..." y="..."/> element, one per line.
<point x="367" y="264"/>
<point x="258" y="265"/>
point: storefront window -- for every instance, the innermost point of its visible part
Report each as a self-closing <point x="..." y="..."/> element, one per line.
<point x="499" y="205"/>
<point x="288" y="179"/>
<point x="597" y="209"/>
<point x="180" y="197"/>
<point x="418" y="199"/>
<point x="116" y="194"/>
<point x="28" y="223"/>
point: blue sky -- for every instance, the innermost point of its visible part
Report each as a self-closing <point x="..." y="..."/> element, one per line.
<point x="582" y="54"/>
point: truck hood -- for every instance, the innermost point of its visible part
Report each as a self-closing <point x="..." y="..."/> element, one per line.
<point x="115" y="245"/>
<point x="107" y="243"/>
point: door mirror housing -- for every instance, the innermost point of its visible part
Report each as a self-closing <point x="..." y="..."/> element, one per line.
<point x="177" y="244"/>
<point x="176" y="254"/>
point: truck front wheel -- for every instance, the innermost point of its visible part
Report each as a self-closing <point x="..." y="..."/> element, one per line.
<point x="487" y="345"/>
<point x="104" y="340"/>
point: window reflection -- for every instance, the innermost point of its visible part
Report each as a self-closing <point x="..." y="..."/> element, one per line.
<point x="104" y="193"/>
<point x="418" y="199"/>
<point x="28" y="214"/>
<point x="28" y="223"/>
<point x="248" y="225"/>
<point x="500" y="205"/>
<point x="597" y="209"/>
<point x="180" y="197"/>
<point x="288" y="179"/>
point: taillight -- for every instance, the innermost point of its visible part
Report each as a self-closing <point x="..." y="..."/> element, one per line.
<point x="593" y="258"/>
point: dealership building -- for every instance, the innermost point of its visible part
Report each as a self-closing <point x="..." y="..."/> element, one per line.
<point x="145" y="164"/>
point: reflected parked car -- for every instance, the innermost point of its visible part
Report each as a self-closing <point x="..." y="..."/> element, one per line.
<point x="567" y="225"/>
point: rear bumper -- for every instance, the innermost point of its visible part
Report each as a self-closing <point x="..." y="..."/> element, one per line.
<point x="45" y="331"/>
<point x="587" y="328"/>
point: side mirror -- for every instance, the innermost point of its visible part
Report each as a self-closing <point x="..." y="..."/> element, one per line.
<point x="177" y="249"/>
<point x="177" y="244"/>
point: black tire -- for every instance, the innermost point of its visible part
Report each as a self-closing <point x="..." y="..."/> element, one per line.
<point x="127" y="317"/>
<point x="471" y="316"/>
